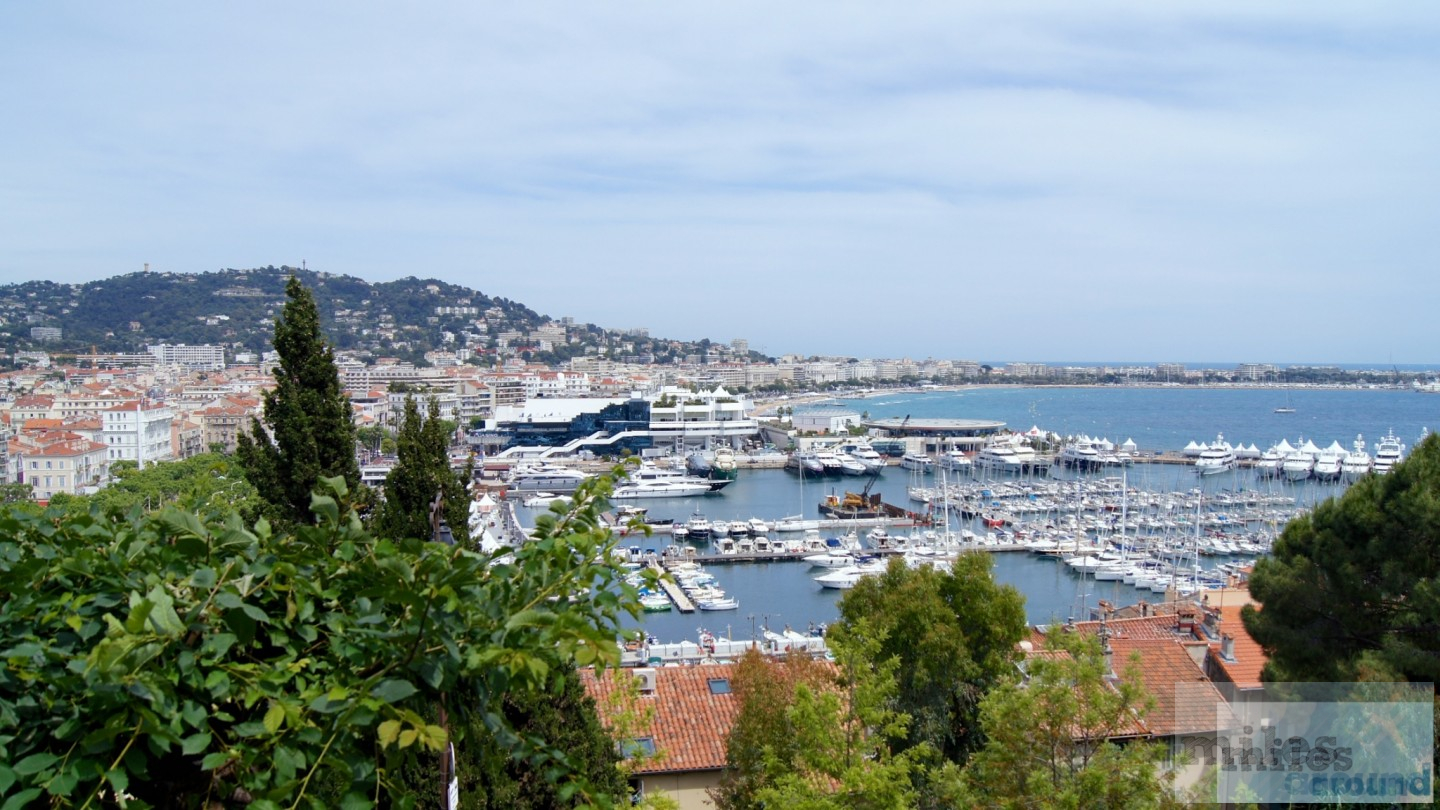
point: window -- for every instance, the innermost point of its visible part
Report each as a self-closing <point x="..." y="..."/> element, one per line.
<point x="639" y="746"/>
<point x="719" y="686"/>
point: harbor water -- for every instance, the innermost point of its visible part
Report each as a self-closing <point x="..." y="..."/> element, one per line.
<point x="783" y="593"/>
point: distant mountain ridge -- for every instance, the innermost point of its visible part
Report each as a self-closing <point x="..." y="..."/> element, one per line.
<point x="236" y="308"/>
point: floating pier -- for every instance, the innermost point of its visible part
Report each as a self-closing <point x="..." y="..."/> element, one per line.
<point x="682" y="602"/>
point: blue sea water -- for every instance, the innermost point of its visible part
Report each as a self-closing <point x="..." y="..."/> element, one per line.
<point x="1158" y="419"/>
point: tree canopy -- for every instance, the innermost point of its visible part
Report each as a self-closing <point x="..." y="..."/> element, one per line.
<point x="421" y="472"/>
<point x="1050" y="740"/>
<point x="186" y="660"/>
<point x="954" y="634"/>
<point x="307" y="414"/>
<point x="1352" y="590"/>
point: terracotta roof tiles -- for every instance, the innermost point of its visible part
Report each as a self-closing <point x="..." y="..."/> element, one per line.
<point x="690" y="723"/>
<point x="1249" y="658"/>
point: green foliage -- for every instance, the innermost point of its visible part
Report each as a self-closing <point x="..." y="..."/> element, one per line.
<point x="1374" y="550"/>
<point x="187" y="660"/>
<point x="17" y="492"/>
<point x="1048" y="740"/>
<point x="954" y="635"/>
<point x="308" y="414"/>
<point x="565" y="717"/>
<point x="376" y="439"/>
<point x="841" y="757"/>
<point x="422" y="471"/>
<point x="762" y="731"/>
<point x="211" y="484"/>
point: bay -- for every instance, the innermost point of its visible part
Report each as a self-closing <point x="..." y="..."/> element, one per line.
<point x="780" y="594"/>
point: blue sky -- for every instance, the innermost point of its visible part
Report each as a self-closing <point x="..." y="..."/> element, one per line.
<point x="999" y="181"/>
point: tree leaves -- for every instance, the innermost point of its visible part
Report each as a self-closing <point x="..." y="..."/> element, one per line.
<point x="268" y="663"/>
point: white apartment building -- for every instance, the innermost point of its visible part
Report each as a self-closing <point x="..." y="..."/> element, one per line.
<point x="138" y="431"/>
<point x="72" y="466"/>
<point x="205" y="357"/>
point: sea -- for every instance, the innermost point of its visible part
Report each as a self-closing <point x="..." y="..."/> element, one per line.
<point x="775" y="595"/>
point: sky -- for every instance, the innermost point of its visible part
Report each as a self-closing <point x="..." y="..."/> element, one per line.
<point x="1000" y="182"/>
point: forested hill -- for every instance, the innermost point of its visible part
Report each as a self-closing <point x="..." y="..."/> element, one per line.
<point x="237" y="308"/>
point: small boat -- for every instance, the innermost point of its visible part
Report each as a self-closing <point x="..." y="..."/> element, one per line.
<point x="654" y="603"/>
<point x="540" y="499"/>
<point x="723" y="603"/>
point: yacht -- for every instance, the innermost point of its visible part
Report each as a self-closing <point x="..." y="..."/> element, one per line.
<point x="1388" y="452"/>
<point x="1301" y="463"/>
<point x="849" y="465"/>
<point x="546" y="478"/>
<point x="1328" y="462"/>
<point x="1081" y="455"/>
<point x="660" y="489"/>
<point x="1357" y="462"/>
<point x="830" y="462"/>
<point x="806" y="462"/>
<point x="1001" y="457"/>
<point x="862" y="451"/>
<point x="917" y="461"/>
<point x="1272" y="460"/>
<point x="724" y="466"/>
<point x="955" y="461"/>
<point x="652" y="473"/>
<point x="697" y="527"/>
<point x="1216" y="458"/>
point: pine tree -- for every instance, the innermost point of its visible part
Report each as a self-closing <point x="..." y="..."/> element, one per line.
<point x="422" y="470"/>
<point x="1352" y="591"/>
<point x="307" y="415"/>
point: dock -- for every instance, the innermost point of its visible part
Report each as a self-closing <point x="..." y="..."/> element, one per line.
<point x="682" y="602"/>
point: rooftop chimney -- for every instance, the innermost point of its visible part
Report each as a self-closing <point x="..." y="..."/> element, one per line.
<point x="1227" y="648"/>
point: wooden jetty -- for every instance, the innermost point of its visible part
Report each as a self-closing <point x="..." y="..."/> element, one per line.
<point x="682" y="602"/>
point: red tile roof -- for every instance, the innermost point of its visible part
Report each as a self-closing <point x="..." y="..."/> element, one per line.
<point x="1249" y="658"/>
<point x="1185" y="700"/>
<point x="690" y="723"/>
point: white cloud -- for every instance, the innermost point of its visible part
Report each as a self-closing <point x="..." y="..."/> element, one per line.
<point x="942" y="179"/>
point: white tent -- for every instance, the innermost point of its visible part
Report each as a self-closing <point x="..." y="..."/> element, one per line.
<point x="1193" y="449"/>
<point x="1130" y="445"/>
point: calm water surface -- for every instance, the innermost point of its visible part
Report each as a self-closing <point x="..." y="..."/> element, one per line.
<point x="1157" y="419"/>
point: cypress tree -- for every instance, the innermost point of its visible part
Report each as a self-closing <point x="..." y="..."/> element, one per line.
<point x="306" y="413"/>
<point x="421" y="471"/>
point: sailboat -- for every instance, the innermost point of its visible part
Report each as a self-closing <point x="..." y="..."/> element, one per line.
<point x="1287" y="407"/>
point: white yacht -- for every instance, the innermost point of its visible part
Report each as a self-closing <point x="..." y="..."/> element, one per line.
<point x="830" y="462"/>
<point x="1388" y="452"/>
<point x="849" y="465"/>
<point x="955" y="461"/>
<point x="917" y="461"/>
<point x="1081" y="455"/>
<point x="660" y="489"/>
<point x="1301" y="463"/>
<point x="806" y="462"/>
<point x="1272" y="460"/>
<point x="999" y="457"/>
<point x="1218" y="457"/>
<point x="546" y="478"/>
<point x="1328" y="463"/>
<point x="1357" y="462"/>
<point x="862" y="451"/>
<point x="648" y="473"/>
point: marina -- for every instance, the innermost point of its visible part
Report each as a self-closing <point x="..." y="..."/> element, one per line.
<point x="1217" y="522"/>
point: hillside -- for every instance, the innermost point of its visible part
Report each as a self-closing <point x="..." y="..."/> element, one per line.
<point x="236" y="308"/>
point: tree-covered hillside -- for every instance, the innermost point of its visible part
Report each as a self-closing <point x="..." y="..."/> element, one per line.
<point x="237" y="308"/>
